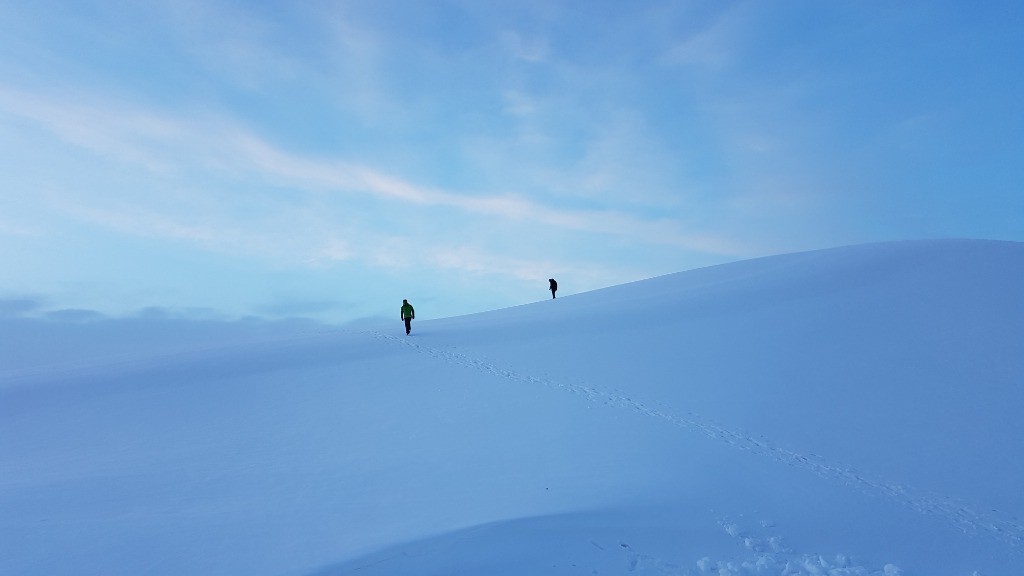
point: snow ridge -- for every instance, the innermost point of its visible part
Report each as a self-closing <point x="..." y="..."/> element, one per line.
<point x="962" y="516"/>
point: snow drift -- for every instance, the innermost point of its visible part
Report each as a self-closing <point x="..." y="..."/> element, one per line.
<point x="854" y="411"/>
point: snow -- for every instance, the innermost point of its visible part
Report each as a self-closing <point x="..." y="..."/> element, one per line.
<point x="845" y="412"/>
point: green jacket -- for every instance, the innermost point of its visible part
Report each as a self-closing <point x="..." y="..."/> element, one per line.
<point x="407" y="311"/>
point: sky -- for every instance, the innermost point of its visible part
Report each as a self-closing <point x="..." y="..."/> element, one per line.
<point x="325" y="160"/>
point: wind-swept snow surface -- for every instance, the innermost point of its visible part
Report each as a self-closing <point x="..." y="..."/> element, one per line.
<point x="854" y="411"/>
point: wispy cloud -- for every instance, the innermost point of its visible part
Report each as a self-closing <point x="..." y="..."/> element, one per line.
<point x="529" y="49"/>
<point x="167" y="144"/>
<point x="714" y="47"/>
<point x="15" y="229"/>
<point x="120" y="130"/>
<point x="241" y="46"/>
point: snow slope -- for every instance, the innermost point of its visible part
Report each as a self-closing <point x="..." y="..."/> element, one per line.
<point x="851" y="411"/>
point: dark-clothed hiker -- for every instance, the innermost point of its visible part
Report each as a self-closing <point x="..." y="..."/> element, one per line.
<point x="553" y="286"/>
<point x="407" y="314"/>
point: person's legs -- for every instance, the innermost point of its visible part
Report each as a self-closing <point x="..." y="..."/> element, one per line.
<point x="408" y="325"/>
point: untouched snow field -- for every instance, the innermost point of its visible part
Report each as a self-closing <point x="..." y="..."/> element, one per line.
<point x="846" y="412"/>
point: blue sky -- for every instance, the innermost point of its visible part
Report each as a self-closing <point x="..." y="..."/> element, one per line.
<point x="327" y="159"/>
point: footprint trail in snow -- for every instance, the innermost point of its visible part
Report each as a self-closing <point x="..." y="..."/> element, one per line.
<point x="965" y="518"/>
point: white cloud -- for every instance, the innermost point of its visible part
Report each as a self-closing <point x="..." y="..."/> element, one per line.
<point x="17" y="229"/>
<point x="530" y="49"/>
<point x="715" y="47"/>
<point x="122" y="131"/>
<point x="167" y="144"/>
<point x="519" y="103"/>
<point x="332" y="250"/>
<point x="239" y="46"/>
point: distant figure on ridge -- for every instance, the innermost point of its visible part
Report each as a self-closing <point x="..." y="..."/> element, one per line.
<point x="553" y="286"/>
<point x="407" y="314"/>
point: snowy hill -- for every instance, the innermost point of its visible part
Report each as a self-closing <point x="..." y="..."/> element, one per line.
<point x="852" y="411"/>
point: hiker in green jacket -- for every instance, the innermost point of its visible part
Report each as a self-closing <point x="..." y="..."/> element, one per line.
<point x="407" y="314"/>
